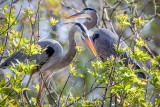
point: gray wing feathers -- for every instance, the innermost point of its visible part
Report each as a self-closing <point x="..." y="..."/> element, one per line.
<point x="12" y="59"/>
<point x="110" y="39"/>
<point x="105" y="47"/>
<point x="21" y="56"/>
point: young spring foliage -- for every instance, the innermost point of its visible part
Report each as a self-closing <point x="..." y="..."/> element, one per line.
<point x="11" y="86"/>
<point x="122" y="19"/>
<point x="139" y="22"/>
<point x="9" y="20"/>
<point x="73" y="71"/>
<point x="139" y="55"/>
<point x="79" y="49"/>
<point x="28" y="11"/>
<point x="52" y="21"/>
<point x="1" y="48"/>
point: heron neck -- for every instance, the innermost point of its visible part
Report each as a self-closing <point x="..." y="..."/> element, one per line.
<point x="68" y="57"/>
<point x="91" y="23"/>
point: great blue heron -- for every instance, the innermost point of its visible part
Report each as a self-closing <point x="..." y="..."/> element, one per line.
<point x="52" y="59"/>
<point x="104" y="39"/>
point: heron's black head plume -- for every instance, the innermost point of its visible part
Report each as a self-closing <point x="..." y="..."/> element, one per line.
<point x="82" y="27"/>
<point x="82" y="14"/>
<point x="91" y="9"/>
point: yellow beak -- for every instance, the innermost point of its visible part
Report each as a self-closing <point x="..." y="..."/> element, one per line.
<point x="88" y="41"/>
<point x="74" y="16"/>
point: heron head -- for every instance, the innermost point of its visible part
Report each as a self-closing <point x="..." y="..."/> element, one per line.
<point x="85" y="13"/>
<point x="85" y="36"/>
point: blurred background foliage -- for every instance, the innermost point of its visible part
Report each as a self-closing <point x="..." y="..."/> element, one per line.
<point x="59" y="10"/>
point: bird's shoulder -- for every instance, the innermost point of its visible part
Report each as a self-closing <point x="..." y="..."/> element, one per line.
<point x="106" y="32"/>
<point x="111" y="37"/>
<point x="50" y="42"/>
<point x="107" y="36"/>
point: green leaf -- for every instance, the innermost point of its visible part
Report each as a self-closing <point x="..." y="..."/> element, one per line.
<point x="23" y="89"/>
<point x="120" y="49"/>
<point x="79" y="49"/>
<point x="140" y="42"/>
<point x="122" y="19"/>
<point x="1" y="48"/>
<point x="36" y="87"/>
<point x="73" y="71"/>
<point x="140" y="55"/>
<point x="28" y="11"/>
<point x="52" y="21"/>
<point x="8" y="76"/>
<point x="139" y="21"/>
<point x="98" y="64"/>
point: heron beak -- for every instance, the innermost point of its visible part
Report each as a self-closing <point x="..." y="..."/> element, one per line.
<point x="88" y="41"/>
<point x="77" y="15"/>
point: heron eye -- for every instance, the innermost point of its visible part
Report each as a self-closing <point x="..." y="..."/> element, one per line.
<point x="95" y="36"/>
<point x="82" y="33"/>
